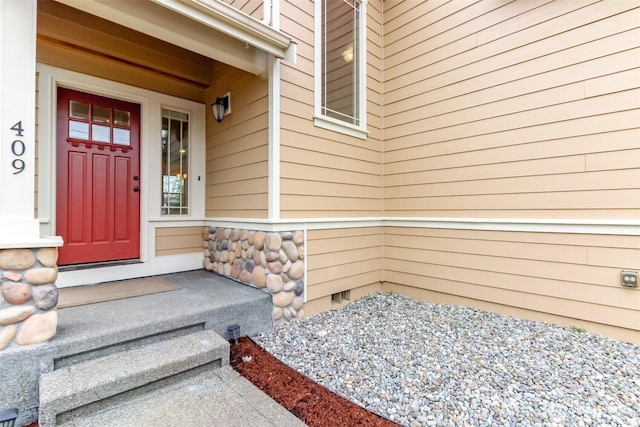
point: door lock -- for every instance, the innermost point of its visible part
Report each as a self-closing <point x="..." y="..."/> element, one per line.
<point x="136" y="189"/>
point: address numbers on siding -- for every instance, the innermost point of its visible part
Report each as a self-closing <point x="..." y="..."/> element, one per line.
<point x="18" y="148"/>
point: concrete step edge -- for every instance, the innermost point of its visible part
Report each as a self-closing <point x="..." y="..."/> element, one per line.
<point x="91" y="381"/>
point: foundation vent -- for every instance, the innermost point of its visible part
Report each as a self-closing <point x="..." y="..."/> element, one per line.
<point x="341" y="298"/>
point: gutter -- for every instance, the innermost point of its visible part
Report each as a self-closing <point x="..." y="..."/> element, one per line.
<point x="229" y="20"/>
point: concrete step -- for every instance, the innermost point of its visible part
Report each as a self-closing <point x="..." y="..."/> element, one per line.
<point x="86" y="387"/>
<point x="218" y="397"/>
<point x="203" y="301"/>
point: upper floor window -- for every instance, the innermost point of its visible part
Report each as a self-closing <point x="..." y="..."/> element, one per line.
<point x="340" y="62"/>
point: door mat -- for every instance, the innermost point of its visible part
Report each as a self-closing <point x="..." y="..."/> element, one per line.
<point x="91" y="294"/>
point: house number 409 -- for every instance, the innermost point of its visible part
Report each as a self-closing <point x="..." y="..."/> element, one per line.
<point x="18" y="148"/>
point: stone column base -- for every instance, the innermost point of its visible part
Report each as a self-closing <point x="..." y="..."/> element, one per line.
<point x="28" y="296"/>
<point x="274" y="262"/>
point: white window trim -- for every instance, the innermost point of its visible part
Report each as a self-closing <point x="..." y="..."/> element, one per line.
<point x="190" y="159"/>
<point x="330" y="123"/>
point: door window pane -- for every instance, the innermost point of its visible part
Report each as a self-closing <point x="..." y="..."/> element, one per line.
<point x="100" y="133"/>
<point x="79" y="110"/>
<point x="78" y="130"/>
<point x="121" y="118"/>
<point x="121" y="136"/>
<point x="100" y="124"/>
<point x="101" y="114"/>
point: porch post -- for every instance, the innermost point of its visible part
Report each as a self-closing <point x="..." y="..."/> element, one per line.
<point x="28" y="263"/>
<point x="17" y="118"/>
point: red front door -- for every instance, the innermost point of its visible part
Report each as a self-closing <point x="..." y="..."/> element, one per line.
<point x="98" y="178"/>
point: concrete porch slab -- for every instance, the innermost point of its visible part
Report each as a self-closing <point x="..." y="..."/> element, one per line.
<point x="204" y="301"/>
<point x="203" y="298"/>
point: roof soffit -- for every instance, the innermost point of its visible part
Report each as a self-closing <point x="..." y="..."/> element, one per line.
<point x="215" y="30"/>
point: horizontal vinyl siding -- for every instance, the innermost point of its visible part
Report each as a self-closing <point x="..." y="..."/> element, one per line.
<point x="325" y="173"/>
<point x="237" y="148"/>
<point x="576" y="277"/>
<point x="375" y="78"/>
<point x="178" y="240"/>
<point x="253" y="8"/>
<point x="340" y="260"/>
<point x="525" y="110"/>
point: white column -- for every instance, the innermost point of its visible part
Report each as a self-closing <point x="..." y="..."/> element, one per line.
<point x="18" y="227"/>
<point x="274" y="138"/>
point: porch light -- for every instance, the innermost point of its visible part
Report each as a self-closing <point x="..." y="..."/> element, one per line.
<point x="234" y="332"/>
<point x="347" y="54"/>
<point x="220" y="108"/>
<point x="8" y="417"/>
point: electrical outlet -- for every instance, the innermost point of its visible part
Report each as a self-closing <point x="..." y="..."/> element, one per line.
<point x="630" y="279"/>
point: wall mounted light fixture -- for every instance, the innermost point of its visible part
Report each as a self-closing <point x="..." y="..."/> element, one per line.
<point x="347" y="54"/>
<point x="221" y="107"/>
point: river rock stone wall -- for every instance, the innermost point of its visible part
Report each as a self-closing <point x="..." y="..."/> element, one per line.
<point x="272" y="261"/>
<point x="28" y="296"/>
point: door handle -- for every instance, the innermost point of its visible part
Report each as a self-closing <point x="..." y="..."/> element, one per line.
<point x="136" y="189"/>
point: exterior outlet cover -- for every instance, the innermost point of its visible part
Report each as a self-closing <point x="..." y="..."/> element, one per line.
<point x="630" y="279"/>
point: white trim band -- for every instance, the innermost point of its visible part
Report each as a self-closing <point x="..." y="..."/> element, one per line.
<point x="615" y="227"/>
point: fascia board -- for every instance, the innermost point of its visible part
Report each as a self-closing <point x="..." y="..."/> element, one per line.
<point x="227" y="19"/>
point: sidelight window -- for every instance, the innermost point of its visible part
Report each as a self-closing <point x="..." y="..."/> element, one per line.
<point x="175" y="163"/>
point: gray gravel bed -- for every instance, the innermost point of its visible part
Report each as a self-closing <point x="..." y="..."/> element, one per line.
<point x="423" y="364"/>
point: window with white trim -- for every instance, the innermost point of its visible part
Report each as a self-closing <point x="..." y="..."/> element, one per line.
<point x="340" y="66"/>
<point x="175" y="163"/>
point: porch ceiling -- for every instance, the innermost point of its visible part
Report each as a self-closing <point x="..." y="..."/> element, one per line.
<point x="208" y="27"/>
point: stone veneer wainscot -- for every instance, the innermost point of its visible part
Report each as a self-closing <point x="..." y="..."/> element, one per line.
<point x="28" y="296"/>
<point x="273" y="261"/>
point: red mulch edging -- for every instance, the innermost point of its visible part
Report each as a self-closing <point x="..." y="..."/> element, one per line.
<point x="315" y="405"/>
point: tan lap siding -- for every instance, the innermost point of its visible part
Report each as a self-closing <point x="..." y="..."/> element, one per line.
<point x="514" y="110"/>
<point x="237" y="148"/>
<point x="565" y="278"/>
<point x="253" y="8"/>
<point x="178" y="240"/>
<point x="340" y="260"/>
<point x="525" y="109"/>
<point x="325" y="173"/>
